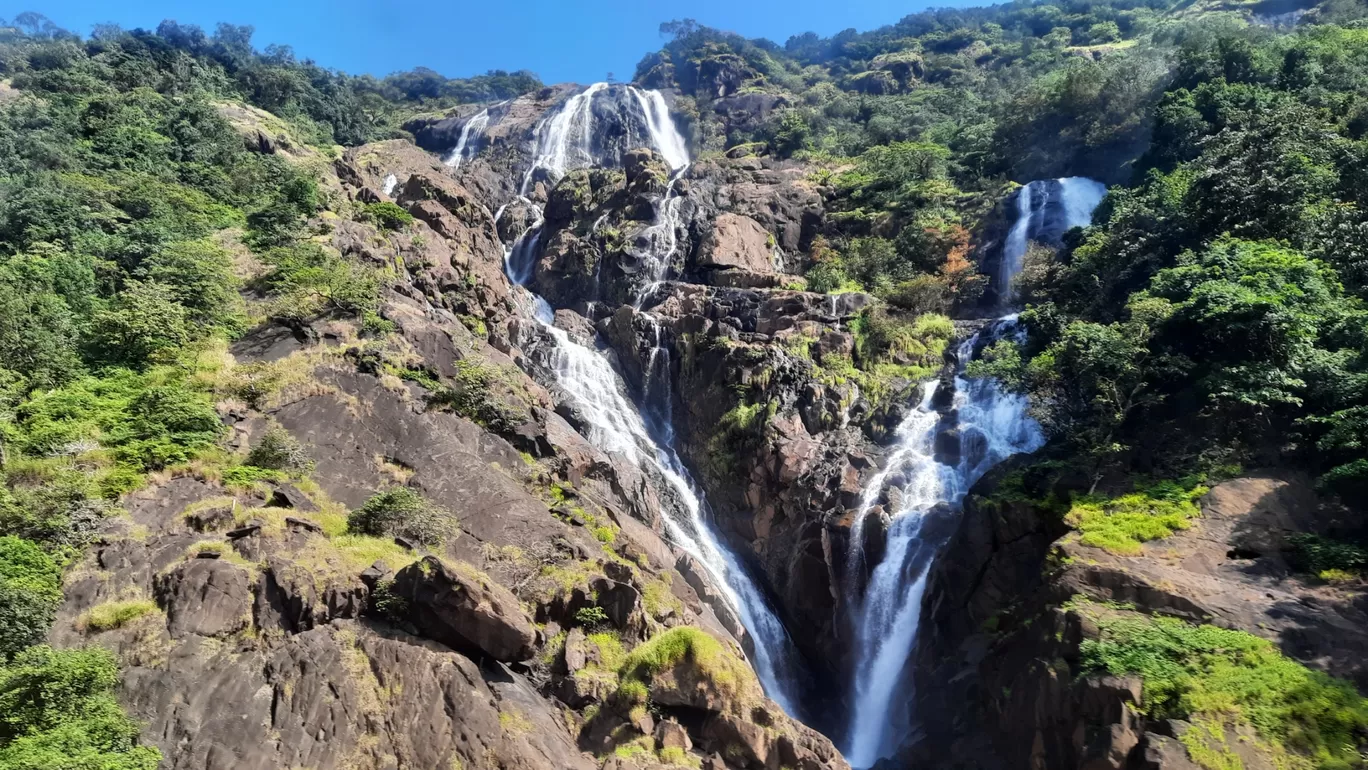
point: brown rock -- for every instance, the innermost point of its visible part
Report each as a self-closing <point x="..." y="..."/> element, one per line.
<point x="736" y="241"/>
<point x="1158" y="752"/>
<point x="462" y="608"/>
<point x="669" y="734"/>
<point x="575" y="654"/>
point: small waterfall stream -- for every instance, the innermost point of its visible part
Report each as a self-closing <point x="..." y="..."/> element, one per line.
<point x="564" y="143"/>
<point x="472" y="129"/>
<point x="992" y="425"/>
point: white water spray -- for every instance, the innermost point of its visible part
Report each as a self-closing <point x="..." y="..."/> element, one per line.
<point x="616" y="425"/>
<point x="390" y="181"/>
<point x="992" y="425"/>
<point x="472" y="129"/>
<point x="1046" y="209"/>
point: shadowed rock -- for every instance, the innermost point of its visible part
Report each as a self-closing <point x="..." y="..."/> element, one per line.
<point x="463" y="609"/>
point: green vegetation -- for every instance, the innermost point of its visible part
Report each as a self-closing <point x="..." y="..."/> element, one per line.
<point x="279" y="451"/>
<point x="1121" y="524"/>
<point x="1216" y="307"/>
<point x="387" y="216"/>
<point x="403" y="512"/>
<point x="480" y="392"/>
<point x="57" y="711"/>
<point x="308" y="279"/>
<point x="1331" y="560"/>
<point x="591" y="616"/>
<point x="684" y="644"/>
<point x="111" y="615"/>
<point x="30" y="590"/>
<point x="1216" y="677"/>
<point x="738" y="432"/>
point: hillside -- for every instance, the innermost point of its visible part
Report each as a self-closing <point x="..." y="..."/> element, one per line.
<point x="987" y="390"/>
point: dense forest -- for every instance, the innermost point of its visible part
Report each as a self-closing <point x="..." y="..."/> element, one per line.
<point x="1224" y="276"/>
<point x="1212" y="317"/>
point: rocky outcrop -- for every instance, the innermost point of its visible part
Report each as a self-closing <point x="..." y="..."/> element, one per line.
<point x="690" y="692"/>
<point x="206" y="597"/>
<point x="453" y="603"/>
<point x="998" y="677"/>
<point x="736" y="252"/>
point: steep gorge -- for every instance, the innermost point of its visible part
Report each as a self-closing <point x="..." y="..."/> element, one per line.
<point x="599" y="427"/>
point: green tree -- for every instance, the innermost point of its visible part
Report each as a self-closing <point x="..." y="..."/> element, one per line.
<point x="142" y="325"/>
<point x="199" y="277"/>
<point x="30" y="590"/>
<point x="58" y="712"/>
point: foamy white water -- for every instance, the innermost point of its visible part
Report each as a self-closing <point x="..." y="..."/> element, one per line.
<point x="992" y="425"/>
<point x="615" y="423"/>
<point x="472" y="129"/>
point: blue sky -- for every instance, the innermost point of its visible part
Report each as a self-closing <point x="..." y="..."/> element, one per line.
<point x="569" y="40"/>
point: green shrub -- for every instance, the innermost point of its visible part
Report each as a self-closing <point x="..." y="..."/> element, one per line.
<point x="58" y="712"/>
<point x="150" y="419"/>
<point x="1213" y="675"/>
<point x="590" y="616"/>
<point x="392" y="606"/>
<point x="883" y="337"/>
<point x="402" y="512"/>
<point x="309" y="279"/>
<point x="1317" y="554"/>
<point x="278" y="450"/>
<point x="387" y="215"/>
<point x="30" y="590"/>
<point x="472" y="395"/>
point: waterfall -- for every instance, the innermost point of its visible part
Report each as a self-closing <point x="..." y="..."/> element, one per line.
<point x="563" y="142"/>
<point x="661" y="127"/>
<point x="472" y="129"/>
<point x="390" y="181"/>
<point x="616" y="424"/>
<point x="992" y="425"/>
<point x="1046" y="209"/>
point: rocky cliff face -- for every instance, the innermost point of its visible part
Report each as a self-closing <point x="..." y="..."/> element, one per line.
<point x="279" y="640"/>
<point x="520" y="642"/>
<point x="999" y="680"/>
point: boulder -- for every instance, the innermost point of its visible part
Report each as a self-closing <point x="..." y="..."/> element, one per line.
<point x="457" y="605"/>
<point x="738" y="242"/>
<point x="669" y="734"/>
<point x="206" y="597"/>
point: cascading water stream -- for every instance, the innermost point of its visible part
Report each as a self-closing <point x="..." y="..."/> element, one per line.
<point x="472" y="129"/>
<point x="992" y="425"/>
<point x="617" y="426"/>
<point x="1046" y="209"/>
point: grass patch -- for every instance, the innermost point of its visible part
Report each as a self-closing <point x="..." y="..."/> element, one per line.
<point x="112" y="615"/>
<point x="1120" y="525"/>
<point x="514" y="723"/>
<point x="1218" y="676"/>
<point x="659" y="600"/>
<point x="682" y="645"/>
<point x="224" y="551"/>
<point x="357" y="552"/>
<point x="610" y="652"/>
<point x="639" y="748"/>
<point x="673" y="755"/>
